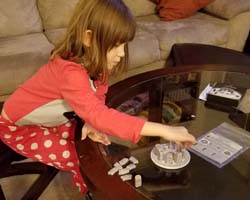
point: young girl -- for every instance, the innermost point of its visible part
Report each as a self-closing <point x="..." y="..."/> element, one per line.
<point x="75" y="79"/>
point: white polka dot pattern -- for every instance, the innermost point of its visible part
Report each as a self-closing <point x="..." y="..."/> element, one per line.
<point x="33" y="134"/>
<point x="45" y="132"/>
<point x="57" y="163"/>
<point x="52" y="146"/>
<point x="48" y="143"/>
<point x="70" y="164"/>
<point x="7" y="136"/>
<point x="20" y="146"/>
<point x="18" y="138"/>
<point x="68" y="124"/>
<point x="12" y="128"/>
<point x="66" y="154"/>
<point x="38" y="156"/>
<point x="50" y="164"/>
<point x="34" y="146"/>
<point x="65" y="134"/>
<point x="52" y="156"/>
<point x="63" y="142"/>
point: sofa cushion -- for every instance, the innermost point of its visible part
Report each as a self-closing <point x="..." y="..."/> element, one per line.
<point x="144" y="49"/>
<point x="19" y="18"/>
<point x="199" y="28"/>
<point x="55" y="35"/>
<point x="170" y="10"/>
<point x="56" y="13"/>
<point x="228" y="8"/>
<point x="141" y="7"/>
<point x="20" y="57"/>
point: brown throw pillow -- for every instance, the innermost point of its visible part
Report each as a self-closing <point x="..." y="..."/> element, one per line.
<point x="170" y="10"/>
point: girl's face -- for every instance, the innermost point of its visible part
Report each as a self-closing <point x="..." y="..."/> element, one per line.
<point x="114" y="55"/>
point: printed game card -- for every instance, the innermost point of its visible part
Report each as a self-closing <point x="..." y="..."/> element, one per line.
<point x="222" y="144"/>
<point x="216" y="147"/>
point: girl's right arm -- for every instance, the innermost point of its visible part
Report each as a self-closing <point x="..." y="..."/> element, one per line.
<point x="178" y="134"/>
<point x="76" y="89"/>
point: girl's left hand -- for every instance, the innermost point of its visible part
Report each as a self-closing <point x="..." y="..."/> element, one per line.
<point x="94" y="135"/>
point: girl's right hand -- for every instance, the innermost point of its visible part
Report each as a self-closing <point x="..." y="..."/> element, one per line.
<point x="180" y="135"/>
<point x="177" y="134"/>
<point x="94" y="135"/>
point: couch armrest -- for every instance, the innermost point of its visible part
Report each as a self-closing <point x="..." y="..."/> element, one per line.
<point x="228" y="8"/>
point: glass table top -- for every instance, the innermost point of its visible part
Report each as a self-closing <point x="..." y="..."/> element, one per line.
<point x="174" y="99"/>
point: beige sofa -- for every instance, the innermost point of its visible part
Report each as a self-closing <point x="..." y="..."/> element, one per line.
<point x="30" y="28"/>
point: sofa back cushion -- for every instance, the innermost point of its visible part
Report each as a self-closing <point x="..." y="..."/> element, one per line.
<point x="228" y="8"/>
<point x="19" y="17"/>
<point x="170" y="10"/>
<point x="141" y="7"/>
<point x="56" y="13"/>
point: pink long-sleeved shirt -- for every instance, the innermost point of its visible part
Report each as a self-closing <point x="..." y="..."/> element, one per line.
<point x="61" y="86"/>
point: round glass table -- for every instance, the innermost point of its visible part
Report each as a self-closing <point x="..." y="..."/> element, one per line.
<point x="170" y="96"/>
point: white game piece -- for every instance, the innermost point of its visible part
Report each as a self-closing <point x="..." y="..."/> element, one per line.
<point x="131" y="166"/>
<point x="123" y="161"/>
<point x="178" y="157"/>
<point x="133" y="160"/>
<point x="123" y="171"/>
<point x="168" y="158"/>
<point x="117" y="165"/>
<point x="126" y="177"/>
<point x="112" y="171"/>
<point x="138" y="181"/>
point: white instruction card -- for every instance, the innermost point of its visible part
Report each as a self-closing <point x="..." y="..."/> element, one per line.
<point x="217" y="147"/>
<point x="222" y="144"/>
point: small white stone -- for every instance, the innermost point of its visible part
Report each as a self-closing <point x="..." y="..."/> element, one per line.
<point x="133" y="160"/>
<point x="123" y="171"/>
<point x="123" y="161"/>
<point x="126" y="177"/>
<point x="131" y="166"/>
<point x="117" y="165"/>
<point x="112" y="171"/>
<point x="138" y="181"/>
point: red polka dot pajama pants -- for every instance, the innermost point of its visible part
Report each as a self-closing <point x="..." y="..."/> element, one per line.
<point x="52" y="146"/>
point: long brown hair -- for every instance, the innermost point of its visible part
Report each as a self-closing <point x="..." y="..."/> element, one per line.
<point x="111" y="24"/>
